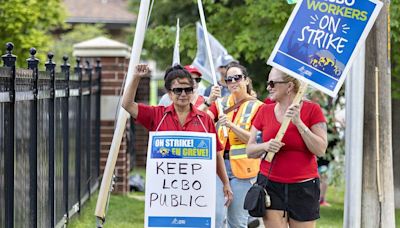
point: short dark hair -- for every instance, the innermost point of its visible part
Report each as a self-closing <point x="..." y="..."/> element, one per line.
<point x="174" y="72"/>
<point x="244" y="72"/>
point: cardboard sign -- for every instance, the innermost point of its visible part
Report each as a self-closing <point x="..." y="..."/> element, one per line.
<point x="321" y="40"/>
<point x="180" y="179"/>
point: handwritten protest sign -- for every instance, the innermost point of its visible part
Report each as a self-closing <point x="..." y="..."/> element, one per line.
<point x="180" y="180"/>
<point x="321" y="40"/>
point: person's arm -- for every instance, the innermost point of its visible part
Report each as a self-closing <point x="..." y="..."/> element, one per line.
<point x="316" y="138"/>
<point x="257" y="150"/>
<point x="221" y="171"/>
<point x="241" y="133"/>
<point x="128" y="99"/>
<point x="214" y="95"/>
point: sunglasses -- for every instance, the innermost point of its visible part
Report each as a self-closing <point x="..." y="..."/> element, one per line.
<point x="234" y="78"/>
<point x="178" y="91"/>
<point x="272" y="83"/>
<point x="198" y="80"/>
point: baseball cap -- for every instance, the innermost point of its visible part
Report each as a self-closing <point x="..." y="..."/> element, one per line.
<point x="224" y="60"/>
<point x="192" y="69"/>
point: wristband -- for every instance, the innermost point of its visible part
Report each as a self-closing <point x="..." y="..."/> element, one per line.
<point x="206" y="103"/>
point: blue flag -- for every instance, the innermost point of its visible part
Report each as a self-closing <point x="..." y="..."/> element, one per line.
<point x="201" y="61"/>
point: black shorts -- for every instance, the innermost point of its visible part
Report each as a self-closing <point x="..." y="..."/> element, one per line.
<point x="299" y="200"/>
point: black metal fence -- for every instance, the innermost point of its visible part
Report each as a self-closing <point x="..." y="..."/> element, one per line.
<point x="49" y="140"/>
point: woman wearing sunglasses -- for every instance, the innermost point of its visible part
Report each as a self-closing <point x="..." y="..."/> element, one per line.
<point x="238" y="111"/>
<point x="291" y="179"/>
<point x="179" y="116"/>
<point x="197" y="99"/>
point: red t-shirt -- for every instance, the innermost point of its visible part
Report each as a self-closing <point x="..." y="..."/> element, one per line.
<point x="150" y="117"/>
<point x="294" y="162"/>
<point x="268" y="100"/>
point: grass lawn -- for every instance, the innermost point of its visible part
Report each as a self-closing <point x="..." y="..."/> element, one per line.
<point x="332" y="216"/>
<point x="124" y="211"/>
<point x="397" y="216"/>
<point x="128" y="212"/>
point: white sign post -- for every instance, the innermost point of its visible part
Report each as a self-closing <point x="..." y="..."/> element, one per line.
<point x="180" y="180"/>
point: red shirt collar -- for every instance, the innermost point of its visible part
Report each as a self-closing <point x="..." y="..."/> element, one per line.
<point x="193" y="111"/>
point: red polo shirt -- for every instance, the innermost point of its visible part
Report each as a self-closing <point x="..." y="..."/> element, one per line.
<point x="150" y="117"/>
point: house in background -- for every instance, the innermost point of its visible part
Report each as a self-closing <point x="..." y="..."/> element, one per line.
<point x="113" y="14"/>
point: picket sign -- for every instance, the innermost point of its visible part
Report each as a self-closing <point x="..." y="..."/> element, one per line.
<point x="318" y="46"/>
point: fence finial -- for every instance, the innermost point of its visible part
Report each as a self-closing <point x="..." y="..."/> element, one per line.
<point x="98" y="68"/>
<point x="50" y="66"/>
<point x="65" y="68"/>
<point x="9" y="59"/>
<point x="50" y="55"/>
<point x="78" y="69"/>
<point x="33" y="52"/>
<point x="65" y="59"/>
<point x="33" y="62"/>
<point x="10" y="47"/>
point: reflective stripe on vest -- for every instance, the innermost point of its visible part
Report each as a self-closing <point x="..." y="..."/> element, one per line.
<point x="238" y="151"/>
<point x="245" y="114"/>
<point x="245" y="119"/>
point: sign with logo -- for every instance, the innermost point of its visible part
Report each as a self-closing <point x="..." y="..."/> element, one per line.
<point x="321" y="40"/>
<point x="180" y="179"/>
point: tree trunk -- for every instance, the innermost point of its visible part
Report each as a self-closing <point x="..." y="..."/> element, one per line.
<point x="396" y="150"/>
<point x="376" y="213"/>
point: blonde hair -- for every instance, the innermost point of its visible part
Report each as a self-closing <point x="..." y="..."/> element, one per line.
<point x="295" y="82"/>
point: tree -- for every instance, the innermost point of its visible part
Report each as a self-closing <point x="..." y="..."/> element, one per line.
<point x="248" y="29"/>
<point x="64" y="45"/>
<point x="377" y="134"/>
<point x="28" y="23"/>
<point x="395" y="65"/>
<point x="395" y="53"/>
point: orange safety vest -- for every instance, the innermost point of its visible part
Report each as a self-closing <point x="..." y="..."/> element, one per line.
<point x="242" y="166"/>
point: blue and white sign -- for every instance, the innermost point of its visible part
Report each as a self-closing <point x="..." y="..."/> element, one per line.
<point x="321" y="40"/>
<point x="180" y="179"/>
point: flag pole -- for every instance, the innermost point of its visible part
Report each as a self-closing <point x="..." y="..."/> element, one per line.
<point x="176" y="59"/>
<point x="122" y="114"/>
<point x="205" y="32"/>
<point x="210" y="59"/>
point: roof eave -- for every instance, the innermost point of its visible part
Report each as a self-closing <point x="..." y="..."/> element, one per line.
<point x="77" y="20"/>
